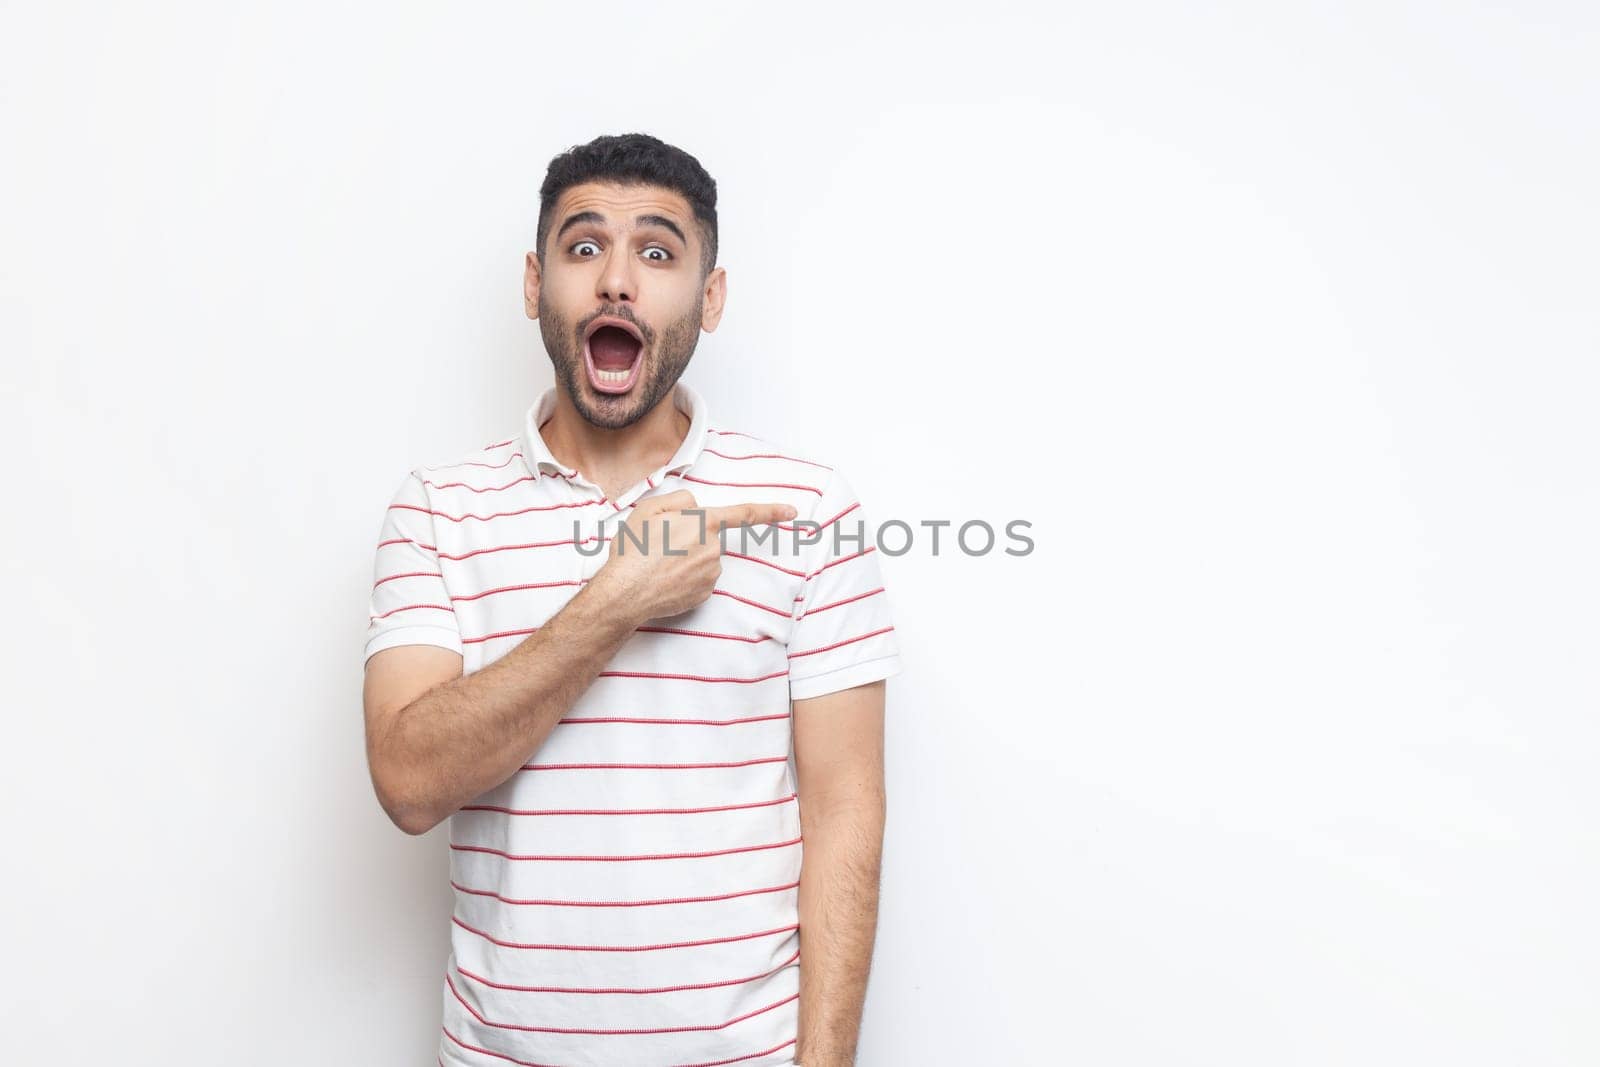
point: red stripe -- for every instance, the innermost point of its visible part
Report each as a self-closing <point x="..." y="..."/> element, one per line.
<point x="752" y="485"/>
<point x="414" y="607"/>
<point x="841" y="559"/>
<point x="658" y="989"/>
<point x="836" y="644"/>
<point x="530" y="1063"/>
<point x="541" y="585"/>
<point x="502" y="633"/>
<point x="482" y="488"/>
<point x="473" y="463"/>
<point x="530" y="544"/>
<point x="527" y="1063"/>
<point x="739" y="1059"/>
<point x="649" y="629"/>
<point x="628" y="948"/>
<point x="407" y="574"/>
<point x="733" y="433"/>
<point x="763" y="562"/>
<point x="498" y="514"/>
<point x="752" y="603"/>
<point x="514" y="588"/>
<point x="768" y="455"/>
<point x="627" y="811"/>
<point x="627" y="859"/>
<point x="647" y="766"/>
<point x="492" y="488"/>
<point x="702" y="633"/>
<point x="846" y="600"/>
<point x="570" y="1030"/>
<point x="406" y="541"/>
<point x="676" y="722"/>
<point x="691" y="677"/>
<point x="496" y="1055"/>
<point x="624" y="903"/>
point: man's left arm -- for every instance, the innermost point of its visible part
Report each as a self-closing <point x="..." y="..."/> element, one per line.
<point x="838" y="745"/>
<point x="843" y="648"/>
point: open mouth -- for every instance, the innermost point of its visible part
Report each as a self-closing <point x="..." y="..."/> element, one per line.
<point x="613" y="351"/>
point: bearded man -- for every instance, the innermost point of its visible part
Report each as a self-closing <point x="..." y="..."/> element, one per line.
<point x="636" y="656"/>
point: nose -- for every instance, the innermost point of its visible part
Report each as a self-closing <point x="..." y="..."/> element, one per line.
<point x="616" y="283"/>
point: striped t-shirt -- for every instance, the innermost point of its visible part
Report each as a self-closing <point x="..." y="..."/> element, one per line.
<point x="629" y="897"/>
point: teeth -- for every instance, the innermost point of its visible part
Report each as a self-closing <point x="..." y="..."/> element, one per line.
<point x="611" y="377"/>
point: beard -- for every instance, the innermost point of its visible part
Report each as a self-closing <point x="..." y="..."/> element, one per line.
<point x="666" y="353"/>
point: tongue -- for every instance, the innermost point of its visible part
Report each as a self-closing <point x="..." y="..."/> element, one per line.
<point x="613" y="348"/>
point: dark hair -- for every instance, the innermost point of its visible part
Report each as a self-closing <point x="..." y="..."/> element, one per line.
<point x="634" y="159"/>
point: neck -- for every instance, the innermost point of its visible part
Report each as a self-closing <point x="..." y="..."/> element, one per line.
<point x="615" y="459"/>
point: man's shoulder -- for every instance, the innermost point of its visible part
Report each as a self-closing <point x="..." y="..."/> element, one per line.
<point x="812" y="478"/>
<point x="729" y="450"/>
<point x="482" y="467"/>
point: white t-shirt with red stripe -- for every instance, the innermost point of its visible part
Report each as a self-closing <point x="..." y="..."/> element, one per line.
<point x="629" y="897"/>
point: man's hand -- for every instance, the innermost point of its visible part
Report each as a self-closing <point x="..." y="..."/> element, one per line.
<point x="667" y="561"/>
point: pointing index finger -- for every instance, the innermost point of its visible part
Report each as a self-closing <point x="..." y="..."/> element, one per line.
<point x="718" y="519"/>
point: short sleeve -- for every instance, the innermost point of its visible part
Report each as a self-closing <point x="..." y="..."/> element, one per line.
<point x="843" y="634"/>
<point x="410" y="604"/>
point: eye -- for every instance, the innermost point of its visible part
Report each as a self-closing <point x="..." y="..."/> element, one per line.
<point x="665" y="255"/>
<point x="580" y="244"/>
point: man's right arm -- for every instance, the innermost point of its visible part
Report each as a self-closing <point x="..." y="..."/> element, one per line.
<point x="464" y="734"/>
<point x="437" y="738"/>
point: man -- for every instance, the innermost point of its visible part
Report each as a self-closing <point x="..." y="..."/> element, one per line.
<point x="637" y="658"/>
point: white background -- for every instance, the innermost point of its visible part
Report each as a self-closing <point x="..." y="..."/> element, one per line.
<point x="1279" y="326"/>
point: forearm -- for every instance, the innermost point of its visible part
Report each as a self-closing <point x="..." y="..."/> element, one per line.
<point x="839" y="876"/>
<point x="468" y="735"/>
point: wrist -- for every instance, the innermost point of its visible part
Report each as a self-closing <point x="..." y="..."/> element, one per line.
<point x="614" y="599"/>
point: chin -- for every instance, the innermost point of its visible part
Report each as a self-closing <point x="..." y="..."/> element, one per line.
<point x="612" y="411"/>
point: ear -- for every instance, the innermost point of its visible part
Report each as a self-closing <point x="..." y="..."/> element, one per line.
<point x="716" y="295"/>
<point x="530" y="285"/>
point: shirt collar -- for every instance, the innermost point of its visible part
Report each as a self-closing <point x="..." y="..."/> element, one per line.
<point x="691" y="403"/>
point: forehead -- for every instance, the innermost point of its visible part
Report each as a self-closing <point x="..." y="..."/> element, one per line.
<point x="621" y="204"/>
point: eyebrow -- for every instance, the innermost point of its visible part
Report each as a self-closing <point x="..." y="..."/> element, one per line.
<point x="643" y="220"/>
